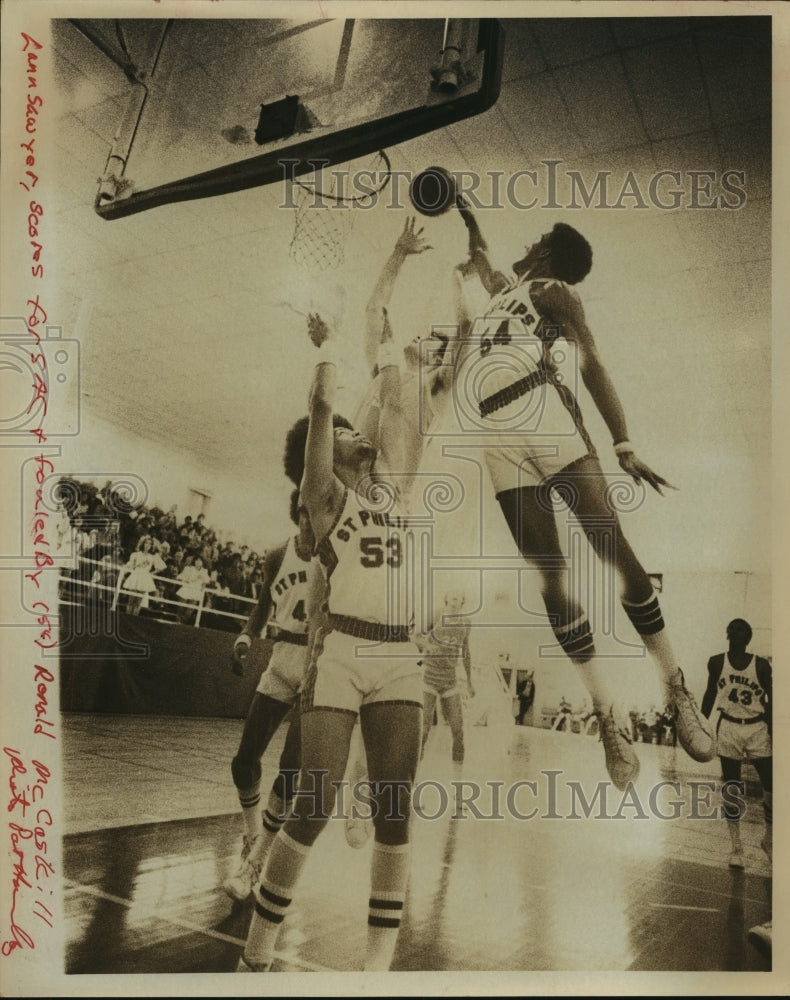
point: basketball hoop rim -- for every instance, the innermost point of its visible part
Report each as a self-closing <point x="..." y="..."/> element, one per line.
<point x="357" y="199"/>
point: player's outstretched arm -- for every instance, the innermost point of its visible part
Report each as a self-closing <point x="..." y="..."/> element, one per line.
<point x="411" y="241"/>
<point x="320" y="490"/>
<point x="391" y="433"/>
<point x="260" y="613"/>
<point x="493" y="281"/>
<point x="562" y="305"/>
<point x="316" y="597"/>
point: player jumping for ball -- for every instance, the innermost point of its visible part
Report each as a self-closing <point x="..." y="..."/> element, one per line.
<point x="365" y="661"/>
<point x="514" y="343"/>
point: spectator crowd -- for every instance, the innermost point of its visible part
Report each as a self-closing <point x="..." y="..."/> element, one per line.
<point x="157" y="557"/>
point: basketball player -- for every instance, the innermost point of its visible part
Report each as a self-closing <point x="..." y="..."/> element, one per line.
<point x="283" y="607"/>
<point x="740" y="689"/>
<point x="514" y="344"/>
<point x="448" y="642"/>
<point x="421" y="395"/>
<point x="365" y="663"/>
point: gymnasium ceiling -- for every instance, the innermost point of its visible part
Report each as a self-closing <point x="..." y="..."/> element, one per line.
<point x="179" y="310"/>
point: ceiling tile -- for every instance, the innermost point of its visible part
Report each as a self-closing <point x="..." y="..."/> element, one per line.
<point x="105" y="78"/>
<point x="694" y="151"/>
<point x="601" y="105"/>
<point x="540" y="120"/>
<point x="522" y="55"/>
<point x="634" y="32"/>
<point x="466" y="135"/>
<point x="736" y="62"/>
<point x="668" y="87"/>
<point x="564" y="41"/>
<point x="747" y="147"/>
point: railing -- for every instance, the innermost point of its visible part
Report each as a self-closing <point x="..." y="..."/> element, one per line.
<point x="77" y="581"/>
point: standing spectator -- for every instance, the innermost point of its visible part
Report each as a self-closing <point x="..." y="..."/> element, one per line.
<point x="193" y="578"/>
<point x="138" y="575"/>
<point x="525" y="693"/>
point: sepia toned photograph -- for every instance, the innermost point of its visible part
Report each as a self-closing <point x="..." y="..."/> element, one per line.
<point x="392" y="465"/>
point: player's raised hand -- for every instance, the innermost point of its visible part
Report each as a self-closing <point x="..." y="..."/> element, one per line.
<point x="638" y="471"/>
<point x="317" y="329"/>
<point x="411" y="240"/>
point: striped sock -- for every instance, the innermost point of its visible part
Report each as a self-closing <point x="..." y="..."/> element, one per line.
<point x="250" y="802"/>
<point x="645" y="616"/>
<point x="648" y="621"/>
<point x="389" y="874"/>
<point x="273" y="817"/>
<point x="576" y="639"/>
<point x="273" y="896"/>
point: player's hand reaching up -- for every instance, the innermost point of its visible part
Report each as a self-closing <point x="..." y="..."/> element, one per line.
<point x="638" y="471"/>
<point x="411" y="240"/>
<point x="317" y="329"/>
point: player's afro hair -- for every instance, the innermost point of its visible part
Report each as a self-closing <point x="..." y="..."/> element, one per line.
<point x="571" y="254"/>
<point x="295" y="441"/>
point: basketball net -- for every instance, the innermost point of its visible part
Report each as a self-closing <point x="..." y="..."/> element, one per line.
<point x="324" y="218"/>
<point x="321" y="227"/>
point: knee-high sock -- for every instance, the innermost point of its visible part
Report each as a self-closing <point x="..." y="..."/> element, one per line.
<point x="273" y="896"/>
<point x="274" y="815"/>
<point x="389" y="875"/>
<point x="250" y="802"/>
<point x="577" y="642"/>
<point x="648" y="621"/>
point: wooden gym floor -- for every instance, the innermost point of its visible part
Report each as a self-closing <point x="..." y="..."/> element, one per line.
<point x="153" y="828"/>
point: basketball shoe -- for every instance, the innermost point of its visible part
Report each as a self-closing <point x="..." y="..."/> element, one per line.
<point x="621" y="761"/>
<point x="240" y="884"/>
<point x="245" y="966"/>
<point x="690" y="724"/>
<point x="763" y="934"/>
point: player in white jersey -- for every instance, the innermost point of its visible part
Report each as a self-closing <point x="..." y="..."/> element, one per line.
<point x="365" y="662"/>
<point x="740" y="689"/>
<point x="447" y="645"/>
<point x="536" y="447"/>
<point x="424" y="377"/>
<point x="281" y="615"/>
<point x="424" y="373"/>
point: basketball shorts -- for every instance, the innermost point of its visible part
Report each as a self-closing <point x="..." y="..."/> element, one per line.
<point x="283" y="677"/>
<point x="743" y="742"/>
<point x="525" y="419"/>
<point x="442" y="682"/>
<point x="344" y="674"/>
<point x="534" y="437"/>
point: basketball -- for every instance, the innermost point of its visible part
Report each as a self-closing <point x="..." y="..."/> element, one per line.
<point x="432" y="191"/>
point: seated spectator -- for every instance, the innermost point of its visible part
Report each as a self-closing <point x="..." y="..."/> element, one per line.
<point x="167" y="590"/>
<point x="563" y="719"/>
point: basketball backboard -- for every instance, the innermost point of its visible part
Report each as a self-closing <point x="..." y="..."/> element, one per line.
<point x="223" y="105"/>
